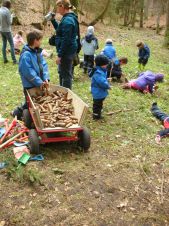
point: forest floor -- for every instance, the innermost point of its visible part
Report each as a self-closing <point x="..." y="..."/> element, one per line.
<point x="123" y="180"/>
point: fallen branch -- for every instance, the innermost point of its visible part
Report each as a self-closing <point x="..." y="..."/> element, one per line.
<point x="162" y="185"/>
<point x="11" y="139"/>
<point x="118" y="111"/>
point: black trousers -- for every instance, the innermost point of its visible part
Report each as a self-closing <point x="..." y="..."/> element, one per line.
<point x="66" y="71"/>
<point x="18" y="111"/>
<point x="158" y="113"/>
<point x="88" y="62"/>
<point x="142" y="61"/>
<point x="97" y="108"/>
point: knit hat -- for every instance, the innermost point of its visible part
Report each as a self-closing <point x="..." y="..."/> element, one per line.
<point x="109" y="41"/>
<point x="101" y="60"/>
<point x="159" y="77"/>
<point x="90" y="30"/>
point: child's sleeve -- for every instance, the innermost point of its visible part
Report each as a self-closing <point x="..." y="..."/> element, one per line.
<point x="147" y="54"/>
<point x="96" y="43"/>
<point x="29" y="73"/>
<point x="102" y="82"/>
<point x="45" y="70"/>
<point x="164" y="133"/>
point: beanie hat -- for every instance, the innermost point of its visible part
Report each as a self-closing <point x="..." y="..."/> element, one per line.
<point x="109" y="41"/>
<point x="90" y="30"/>
<point x="159" y="77"/>
<point x="101" y="60"/>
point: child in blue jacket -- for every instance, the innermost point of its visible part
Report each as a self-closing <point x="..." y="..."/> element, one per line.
<point x="99" y="85"/>
<point x="143" y="54"/>
<point x="33" y="69"/>
<point x="109" y="50"/>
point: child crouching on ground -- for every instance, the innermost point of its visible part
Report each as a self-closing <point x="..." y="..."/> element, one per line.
<point x="99" y="85"/>
<point x="33" y="69"/>
<point x="145" y="82"/>
<point x="114" y="69"/>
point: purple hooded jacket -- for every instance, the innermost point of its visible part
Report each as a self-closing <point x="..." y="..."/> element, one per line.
<point x="146" y="80"/>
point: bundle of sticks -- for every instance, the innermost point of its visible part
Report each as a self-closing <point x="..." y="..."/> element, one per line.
<point x="14" y="132"/>
<point x="56" y="110"/>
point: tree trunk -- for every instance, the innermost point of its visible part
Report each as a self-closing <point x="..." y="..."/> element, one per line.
<point x="126" y="15"/>
<point x="101" y="16"/>
<point x="167" y="26"/>
<point x="146" y="8"/>
<point x="142" y="14"/>
<point x="159" y="12"/>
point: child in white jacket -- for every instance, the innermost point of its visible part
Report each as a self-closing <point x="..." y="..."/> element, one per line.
<point x="89" y="46"/>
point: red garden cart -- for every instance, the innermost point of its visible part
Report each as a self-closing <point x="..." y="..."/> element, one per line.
<point x="40" y="135"/>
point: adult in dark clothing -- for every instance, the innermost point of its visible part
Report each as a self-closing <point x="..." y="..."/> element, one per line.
<point x="164" y="118"/>
<point x="67" y="41"/>
<point x="114" y="69"/>
<point x="6" y="19"/>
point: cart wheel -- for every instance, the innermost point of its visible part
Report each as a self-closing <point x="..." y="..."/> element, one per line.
<point x="33" y="141"/>
<point x="84" y="139"/>
<point x="27" y="119"/>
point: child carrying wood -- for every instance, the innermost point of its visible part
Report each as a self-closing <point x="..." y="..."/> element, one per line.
<point x="33" y="69"/>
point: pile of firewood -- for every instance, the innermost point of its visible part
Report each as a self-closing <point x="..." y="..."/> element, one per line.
<point x="56" y="110"/>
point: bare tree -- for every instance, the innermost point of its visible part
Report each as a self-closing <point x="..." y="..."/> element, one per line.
<point x="167" y="26"/>
<point x="141" y="13"/>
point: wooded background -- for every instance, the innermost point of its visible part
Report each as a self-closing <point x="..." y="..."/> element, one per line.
<point x="131" y="13"/>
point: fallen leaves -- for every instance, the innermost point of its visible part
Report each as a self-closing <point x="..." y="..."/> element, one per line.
<point x="123" y="204"/>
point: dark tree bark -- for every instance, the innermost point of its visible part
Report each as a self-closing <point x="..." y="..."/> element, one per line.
<point x="146" y="9"/>
<point x="167" y="26"/>
<point x="134" y="13"/>
<point x="141" y="13"/>
<point x="101" y="16"/>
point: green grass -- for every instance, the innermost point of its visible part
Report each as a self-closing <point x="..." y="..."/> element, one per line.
<point x="123" y="152"/>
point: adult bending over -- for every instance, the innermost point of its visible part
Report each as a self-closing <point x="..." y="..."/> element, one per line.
<point x="67" y="40"/>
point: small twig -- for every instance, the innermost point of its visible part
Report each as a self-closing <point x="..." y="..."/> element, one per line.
<point x="162" y="185"/>
<point x="118" y="111"/>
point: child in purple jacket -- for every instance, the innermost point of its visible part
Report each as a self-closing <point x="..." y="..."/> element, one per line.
<point x="145" y="82"/>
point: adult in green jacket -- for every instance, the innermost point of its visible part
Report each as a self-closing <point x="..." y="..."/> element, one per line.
<point x="67" y="41"/>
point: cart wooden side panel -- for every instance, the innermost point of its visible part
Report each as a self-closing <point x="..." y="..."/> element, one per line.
<point x="80" y="108"/>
